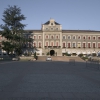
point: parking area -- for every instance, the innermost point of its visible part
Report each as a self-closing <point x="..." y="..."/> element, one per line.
<point x="40" y="80"/>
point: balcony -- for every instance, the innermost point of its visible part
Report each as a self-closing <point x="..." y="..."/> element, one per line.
<point x="55" y="47"/>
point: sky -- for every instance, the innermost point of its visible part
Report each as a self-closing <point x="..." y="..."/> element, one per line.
<point x="71" y="14"/>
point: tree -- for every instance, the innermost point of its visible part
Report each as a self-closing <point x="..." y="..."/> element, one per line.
<point x="13" y="29"/>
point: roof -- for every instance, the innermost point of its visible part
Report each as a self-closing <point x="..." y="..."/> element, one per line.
<point x="31" y="31"/>
<point x="74" y="31"/>
<point x="48" y="22"/>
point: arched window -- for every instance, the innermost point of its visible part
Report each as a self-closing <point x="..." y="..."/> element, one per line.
<point x="51" y="43"/>
<point x="89" y="45"/>
<point x="93" y="45"/>
<point x="74" y="37"/>
<point x="51" y="37"/>
<point x="99" y="38"/>
<point x="74" y="45"/>
<point x="57" y="37"/>
<point x="64" y="37"/>
<point x="94" y="37"/>
<point x="69" y="37"/>
<point x="84" y="37"/>
<point x="34" y="44"/>
<point x="84" y="45"/>
<point x="69" y="45"/>
<point x="98" y="45"/>
<point x="39" y="45"/>
<point x="79" y="45"/>
<point x="89" y="38"/>
<point x="39" y="37"/>
<point x="34" y="37"/>
<point x="79" y="37"/>
<point x="46" y="36"/>
<point x="64" y="45"/>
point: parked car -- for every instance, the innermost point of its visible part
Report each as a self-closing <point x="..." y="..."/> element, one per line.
<point x="15" y="59"/>
<point x="48" y="59"/>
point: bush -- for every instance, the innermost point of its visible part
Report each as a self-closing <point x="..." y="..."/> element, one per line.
<point x="67" y="54"/>
<point x="94" y="54"/>
<point x="80" y="55"/>
<point x="48" y="53"/>
<point x="84" y="58"/>
<point x="74" y="54"/>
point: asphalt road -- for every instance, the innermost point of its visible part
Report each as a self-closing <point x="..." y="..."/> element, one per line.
<point x="48" y="81"/>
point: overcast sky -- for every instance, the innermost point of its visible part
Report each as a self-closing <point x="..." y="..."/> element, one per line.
<point x="71" y="14"/>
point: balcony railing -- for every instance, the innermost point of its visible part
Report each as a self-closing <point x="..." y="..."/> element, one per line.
<point x="52" y="46"/>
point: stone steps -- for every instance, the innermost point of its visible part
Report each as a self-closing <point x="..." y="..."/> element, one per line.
<point x="60" y="58"/>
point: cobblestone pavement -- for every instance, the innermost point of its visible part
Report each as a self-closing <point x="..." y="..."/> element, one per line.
<point x="48" y="81"/>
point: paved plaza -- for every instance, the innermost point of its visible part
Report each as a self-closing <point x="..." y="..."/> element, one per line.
<point x="48" y="81"/>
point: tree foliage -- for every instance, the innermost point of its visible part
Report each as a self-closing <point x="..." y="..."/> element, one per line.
<point x="13" y="29"/>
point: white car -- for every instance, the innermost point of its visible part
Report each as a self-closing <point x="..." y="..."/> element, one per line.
<point x="48" y="59"/>
<point x="15" y="59"/>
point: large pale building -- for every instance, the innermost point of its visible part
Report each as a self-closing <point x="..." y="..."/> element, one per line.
<point x="53" y="39"/>
<point x="56" y="41"/>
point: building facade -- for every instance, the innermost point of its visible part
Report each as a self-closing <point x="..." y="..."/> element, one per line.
<point x="51" y="38"/>
<point x="54" y="40"/>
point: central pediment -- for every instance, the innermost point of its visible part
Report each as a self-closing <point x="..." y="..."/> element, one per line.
<point x="51" y="22"/>
<point x="51" y="25"/>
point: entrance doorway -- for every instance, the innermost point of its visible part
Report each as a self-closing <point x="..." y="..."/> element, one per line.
<point x="52" y="52"/>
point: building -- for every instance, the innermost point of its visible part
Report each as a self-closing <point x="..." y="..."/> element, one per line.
<point x="56" y="41"/>
<point x="52" y="38"/>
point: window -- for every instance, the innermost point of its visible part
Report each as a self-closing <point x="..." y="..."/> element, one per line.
<point x="57" y="37"/>
<point x="83" y="45"/>
<point x="47" y="44"/>
<point x="93" y="45"/>
<point x="84" y="37"/>
<point x="46" y="36"/>
<point x="51" y="43"/>
<point x="88" y="45"/>
<point x="63" y="37"/>
<point x="51" y="28"/>
<point x="69" y="37"/>
<point x="46" y="28"/>
<point x="74" y="37"/>
<point x="99" y="38"/>
<point x="98" y="45"/>
<point x="51" y="37"/>
<point x="30" y="45"/>
<point x="78" y="45"/>
<point x="89" y="38"/>
<point x="56" y="28"/>
<point x="68" y="45"/>
<point x="94" y="37"/>
<point x="34" y="44"/>
<point x="39" y="37"/>
<point x="79" y="37"/>
<point x="39" y="45"/>
<point x="56" y="43"/>
<point x="73" y="45"/>
<point x="34" y="37"/>
<point x="51" y="23"/>
<point x="63" y="45"/>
